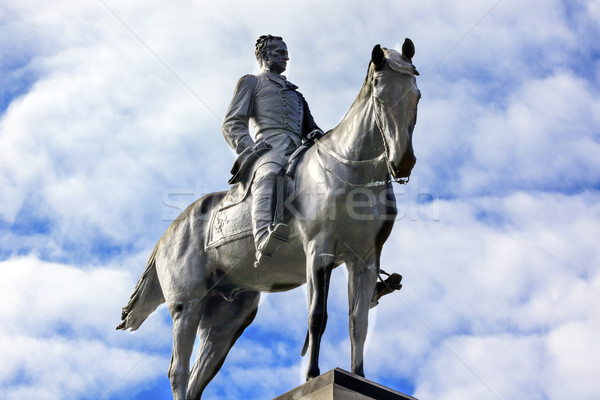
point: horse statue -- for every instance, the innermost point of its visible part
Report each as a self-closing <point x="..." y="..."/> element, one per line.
<point x="341" y="209"/>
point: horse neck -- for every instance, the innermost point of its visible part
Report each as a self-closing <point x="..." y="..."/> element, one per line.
<point x="357" y="136"/>
<point x="354" y="150"/>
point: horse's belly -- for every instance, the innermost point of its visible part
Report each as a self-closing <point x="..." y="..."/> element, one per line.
<point x="284" y="271"/>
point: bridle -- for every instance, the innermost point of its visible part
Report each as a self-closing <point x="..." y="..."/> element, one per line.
<point x="386" y="150"/>
<point x="385" y="155"/>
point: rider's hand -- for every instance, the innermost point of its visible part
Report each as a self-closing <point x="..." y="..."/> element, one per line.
<point x="316" y="134"/>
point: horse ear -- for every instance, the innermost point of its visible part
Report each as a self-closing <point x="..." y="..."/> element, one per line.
<point x="408" y="49"/>
<point x="377" y="57"/>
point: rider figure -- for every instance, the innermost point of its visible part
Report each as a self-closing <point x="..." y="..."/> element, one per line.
<point x="282" y="121"/>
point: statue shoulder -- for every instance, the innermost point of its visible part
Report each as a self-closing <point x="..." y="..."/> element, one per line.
<point x="245" y="87"/>
<point x="248" y="81"/>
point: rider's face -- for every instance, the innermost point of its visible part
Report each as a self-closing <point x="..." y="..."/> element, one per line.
<point x="277" y="56"/>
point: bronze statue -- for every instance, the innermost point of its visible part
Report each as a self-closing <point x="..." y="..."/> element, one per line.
<point x="283" y="121"/>
<point x="339" y="207"/>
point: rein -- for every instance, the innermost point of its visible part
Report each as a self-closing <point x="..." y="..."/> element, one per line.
<point x="376" y="160"/>
<point x="348" y="162"/>
<point x="345" y="160"/>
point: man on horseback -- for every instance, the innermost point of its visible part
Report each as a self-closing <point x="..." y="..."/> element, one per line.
<point x="282" y="121"/>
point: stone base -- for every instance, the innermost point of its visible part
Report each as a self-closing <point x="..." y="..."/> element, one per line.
<point x="338" y="384"/>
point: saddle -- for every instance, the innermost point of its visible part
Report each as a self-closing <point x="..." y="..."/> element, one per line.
<point x="232" y="220"/>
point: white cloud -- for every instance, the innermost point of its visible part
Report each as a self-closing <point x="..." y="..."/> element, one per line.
<point x="494" y="367"/>
<point x="59" y="339"/>
<point x="573" y="354"/>
<point x="500" y="293"/>
<point x="59" y="368"/>
<point x="544" y="138"/>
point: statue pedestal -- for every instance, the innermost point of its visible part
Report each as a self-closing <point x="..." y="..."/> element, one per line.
<point x="338" y="384"/>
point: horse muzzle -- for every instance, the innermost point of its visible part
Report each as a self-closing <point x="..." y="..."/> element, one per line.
<point x="403" y="169"/>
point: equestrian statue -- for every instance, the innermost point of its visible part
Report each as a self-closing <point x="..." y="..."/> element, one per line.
<point x="302" y="202"/>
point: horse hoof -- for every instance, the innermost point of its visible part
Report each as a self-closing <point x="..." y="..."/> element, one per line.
<point x="312" y="373"/>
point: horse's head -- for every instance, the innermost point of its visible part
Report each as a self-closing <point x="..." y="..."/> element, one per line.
<point x="395" y="96"/>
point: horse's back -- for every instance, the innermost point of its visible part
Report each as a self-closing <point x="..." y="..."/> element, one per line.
<point x="197" y="215"/>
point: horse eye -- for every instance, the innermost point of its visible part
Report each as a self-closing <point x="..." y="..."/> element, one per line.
<point x="375" y="81"/>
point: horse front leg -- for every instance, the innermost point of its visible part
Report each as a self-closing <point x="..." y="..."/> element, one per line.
<point x="319" y="266"/>
<point x="361" y="282"/>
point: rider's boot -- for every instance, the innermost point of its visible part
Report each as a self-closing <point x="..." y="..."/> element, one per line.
<point x="268" y="237"/>
<point x="386" y="287"/>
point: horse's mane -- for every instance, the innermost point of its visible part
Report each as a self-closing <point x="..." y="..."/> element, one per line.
<point x="399" y="62"/>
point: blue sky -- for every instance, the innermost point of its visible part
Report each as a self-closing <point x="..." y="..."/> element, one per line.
<point x="110" y="118"/>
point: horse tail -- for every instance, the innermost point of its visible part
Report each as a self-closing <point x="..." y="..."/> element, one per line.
<point x="146" y="297"/>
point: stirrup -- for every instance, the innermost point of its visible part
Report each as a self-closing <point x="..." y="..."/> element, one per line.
<point x="278" y="235"/>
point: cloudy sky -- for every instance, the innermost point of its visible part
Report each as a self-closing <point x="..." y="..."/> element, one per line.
<point x="110" y="116"/>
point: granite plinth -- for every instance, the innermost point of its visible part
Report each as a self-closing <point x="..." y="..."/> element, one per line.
<point x="338" y="384"/>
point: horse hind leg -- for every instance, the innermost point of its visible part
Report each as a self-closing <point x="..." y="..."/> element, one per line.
<point x="186" y="317"/>
<point x="221" y="325"/>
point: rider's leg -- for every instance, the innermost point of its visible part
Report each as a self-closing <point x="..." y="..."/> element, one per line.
<point x="267" y="237"/>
